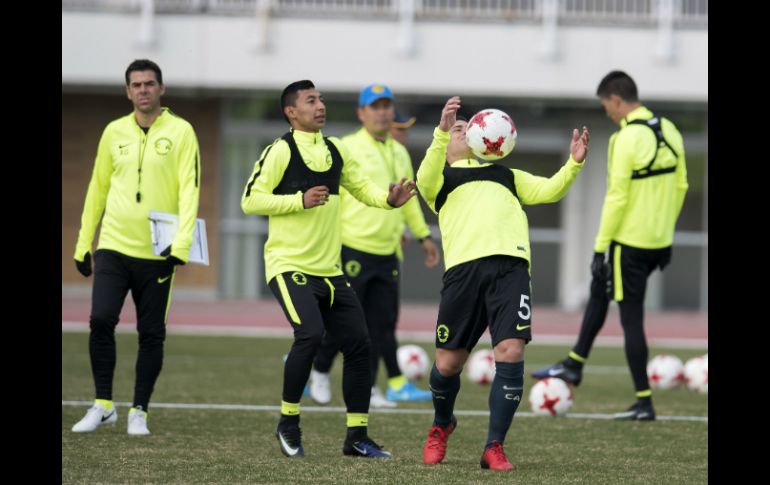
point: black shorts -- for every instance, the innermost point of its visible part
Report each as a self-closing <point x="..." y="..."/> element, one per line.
<point x="631" y="267"/>
<point x="493" y="291"/>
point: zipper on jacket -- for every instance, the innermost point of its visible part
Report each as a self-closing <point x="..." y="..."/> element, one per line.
<point x="141" y="159"/>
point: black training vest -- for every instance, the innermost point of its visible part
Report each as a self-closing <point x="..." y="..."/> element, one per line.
<point x="298" y="177"/>
<point x="654" y="124"/>
<point x="455" y="177"/>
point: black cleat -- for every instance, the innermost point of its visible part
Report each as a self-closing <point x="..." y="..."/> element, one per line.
<point x="290" y="439"/>
<point x="365" y="447"/>
<point x="638" y="412"/>
<point x="560" y="371"/>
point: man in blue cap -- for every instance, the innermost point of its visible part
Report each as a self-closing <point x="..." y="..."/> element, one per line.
<point x="371" y="250"/>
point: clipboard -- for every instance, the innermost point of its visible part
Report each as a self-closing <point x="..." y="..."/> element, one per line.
<point x="163" y="227"/>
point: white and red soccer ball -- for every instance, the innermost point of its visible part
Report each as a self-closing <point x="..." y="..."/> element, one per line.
<point x="665" y="371"/>
<point x="550" y="397"/>
<point x="491" y="134"/>
<point x="481" y="366"/>
<point x="696" y="374"/>
<point x="413" y="361"/>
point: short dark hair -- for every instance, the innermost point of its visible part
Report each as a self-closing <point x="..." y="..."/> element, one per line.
<point x="460" y="118"/>
<point x="289" y="94"/>
<point x="620" y="83"/>
<point x="144" y="65"/>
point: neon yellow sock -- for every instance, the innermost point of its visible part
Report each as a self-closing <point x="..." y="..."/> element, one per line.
<point x="289" y="408"/>
<point x="358" y="419"/>
<point x="576" y="357"/>
<point x="146" y="413"/>
<point x="105" y="403"/>
<point x="396" y="383"/>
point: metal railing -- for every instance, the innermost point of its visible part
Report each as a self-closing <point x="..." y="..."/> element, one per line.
<point x="487" y="10"/>
<point x="634" y="12"/>
<point x="688" y="13"/>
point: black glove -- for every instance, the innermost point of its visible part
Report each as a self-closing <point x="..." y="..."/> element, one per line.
<point x="171" y="259"/>
<point x="599" y="269"/>
<point x="84" y="267"/>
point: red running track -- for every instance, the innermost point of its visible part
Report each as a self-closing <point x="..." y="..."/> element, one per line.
<point x="417" y="320"/>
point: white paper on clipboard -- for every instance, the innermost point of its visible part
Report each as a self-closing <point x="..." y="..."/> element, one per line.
<point x="163" y="227"/>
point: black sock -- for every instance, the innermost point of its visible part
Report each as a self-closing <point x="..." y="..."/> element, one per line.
<point x="444" y="391"/>
<point x="504" y="398"/>
<point x="571" y="363"/>
<point x="356" y="433"/>
<point x="288" y="420"/>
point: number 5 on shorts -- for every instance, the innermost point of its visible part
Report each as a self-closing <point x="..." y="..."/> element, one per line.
<point x="525" y="306"/>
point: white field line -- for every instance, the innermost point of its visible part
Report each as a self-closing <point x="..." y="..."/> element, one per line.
<point x="325" y="409"/>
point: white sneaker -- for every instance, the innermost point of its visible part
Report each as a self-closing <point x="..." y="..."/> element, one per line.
<point x="320" y="387"/>
<point x="137" y="422"/>
<point x="95" y="417"/>
<point x="378" y="400"/>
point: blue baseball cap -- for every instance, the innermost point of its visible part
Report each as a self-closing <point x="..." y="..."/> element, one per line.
<point x="373" y="92"/>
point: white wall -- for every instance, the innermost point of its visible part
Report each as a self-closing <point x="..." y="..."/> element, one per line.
<point x="464" y="58"/>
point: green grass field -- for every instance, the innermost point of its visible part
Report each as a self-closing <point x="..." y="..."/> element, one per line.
<point x="235" y="446"/>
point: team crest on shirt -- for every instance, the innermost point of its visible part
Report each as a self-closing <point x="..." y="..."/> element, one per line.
<point x="299" y="278"/>
<point x="328" y="160"/>
<point x="442" y="333"/>
<point x="352" y="268"/>
<point x="163" y="146"/>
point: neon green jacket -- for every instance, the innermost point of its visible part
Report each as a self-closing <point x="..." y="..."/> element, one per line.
<point x="484" y="218"/>
<point x="373" y="230"/>
<point x="642" y="213"/>
<point x="299" y="239"/>
<point x="163" y="165"/>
